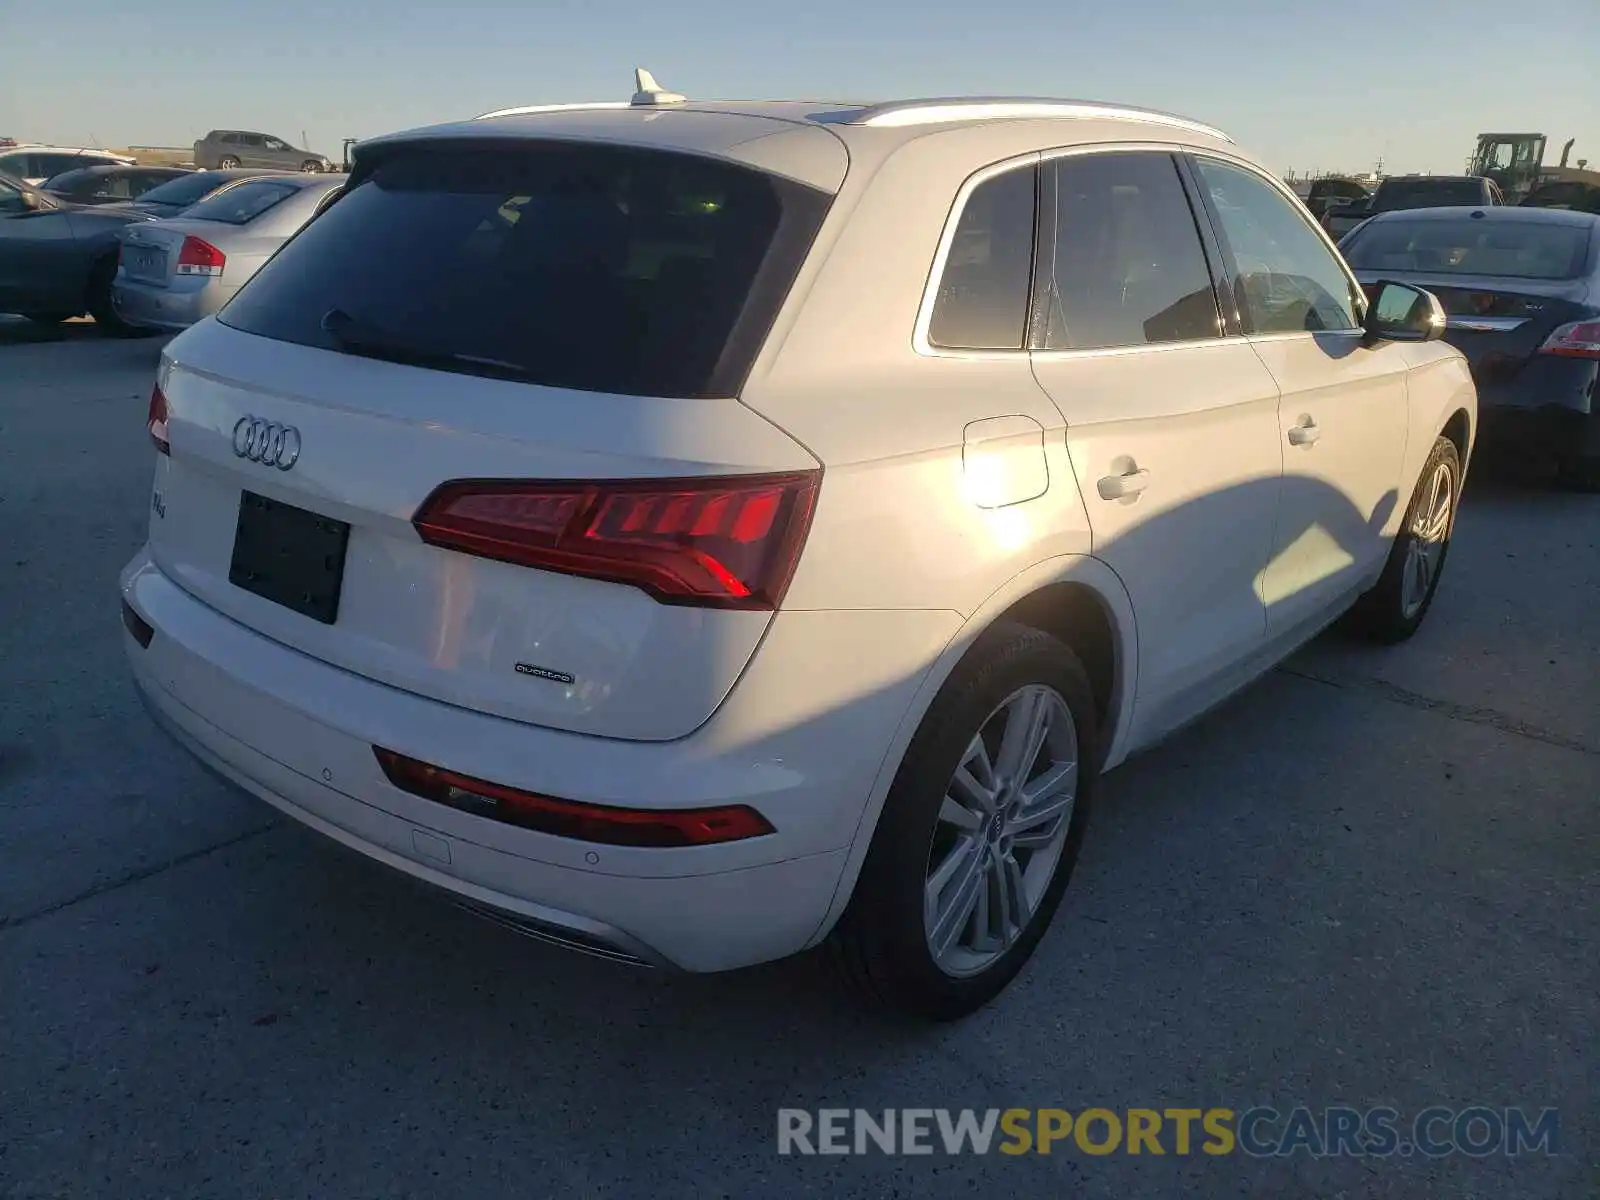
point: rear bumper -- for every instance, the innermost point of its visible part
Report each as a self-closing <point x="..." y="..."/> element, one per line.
<point x="1548" y="407"/>
<point x="299" y="733"/>
<point x="176" y="307"/>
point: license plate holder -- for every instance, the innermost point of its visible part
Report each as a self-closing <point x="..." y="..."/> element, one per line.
<point x="146" y="262"/>
<point x="290" y="556"/>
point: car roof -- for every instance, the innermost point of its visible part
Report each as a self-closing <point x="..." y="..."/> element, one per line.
<point x="109" y="168"/>
<point x="1413" y="180"/>
<point x="1502" y="213"/>
<point x="816" y="141"/>
<point x="86" y="151"/>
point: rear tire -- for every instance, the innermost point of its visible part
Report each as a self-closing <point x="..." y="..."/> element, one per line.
<point x="1393" y="610"/>
<point x="908" y="942"/>
<point x="227" y="163"/>
<point x="311" y="167"/>
<point x="100" y="306"/>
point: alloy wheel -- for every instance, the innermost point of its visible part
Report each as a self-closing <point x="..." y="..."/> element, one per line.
<point x="1002" y="823"/>
<point x="1429" y="534"/>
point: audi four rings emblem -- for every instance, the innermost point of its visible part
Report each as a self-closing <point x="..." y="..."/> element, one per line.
<point x="266" y="442"/>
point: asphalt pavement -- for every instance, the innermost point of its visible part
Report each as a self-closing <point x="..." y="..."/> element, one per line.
<point x="1369" y="880"/>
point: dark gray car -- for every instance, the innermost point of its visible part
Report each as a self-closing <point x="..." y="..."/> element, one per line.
<point x="227" y="148"/>
<point x="57" y="260"/>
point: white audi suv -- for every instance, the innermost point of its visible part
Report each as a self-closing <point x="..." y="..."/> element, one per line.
<point x="695" y="532"/>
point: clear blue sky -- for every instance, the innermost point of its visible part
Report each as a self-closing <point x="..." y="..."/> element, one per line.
<point x="1305" y="83"/>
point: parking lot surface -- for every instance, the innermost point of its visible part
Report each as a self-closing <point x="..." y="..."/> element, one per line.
<point x="1369" y="880"/>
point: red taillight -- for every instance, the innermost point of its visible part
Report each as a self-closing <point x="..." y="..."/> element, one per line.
<point x="569" y="818"/>
<point x="722" y="542"/>
<point x="158" y="419"/>
<point x="1581" y="339"/>
<point x="200" y="257"/>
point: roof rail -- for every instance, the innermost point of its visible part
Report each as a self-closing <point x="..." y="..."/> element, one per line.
<point x="545" y="108"/>
<point x="996" y="108"/>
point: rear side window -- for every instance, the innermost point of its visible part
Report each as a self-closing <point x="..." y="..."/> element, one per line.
<point x="1438" y="194"/>
<point x="1288" y="279"/>
<point x="242" y="204"/>
<point x="982" y="301"/>
<point x="1129" y="268"/>
<point x="595" y="268"/>
<point x="1514" y="249"/>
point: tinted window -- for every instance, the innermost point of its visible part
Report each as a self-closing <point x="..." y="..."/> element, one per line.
<point x="588" y="267"/>
<point x="241" y="205"/>
<point x="1288" y="280"/>
<point x="1129" y="268"/>
<point x="1426" y="193"/>
<point x="982" y="303"/>
<point x="186" y="189"/>
<point x="10" y="199"/>
<point x="71" y="182"/>
<point x="1514" y="249"/>
<point x="84" y="184"/>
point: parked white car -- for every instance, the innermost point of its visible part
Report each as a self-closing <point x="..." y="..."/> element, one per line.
<point x="694" y="531"/>
<point x="34" y="164"/>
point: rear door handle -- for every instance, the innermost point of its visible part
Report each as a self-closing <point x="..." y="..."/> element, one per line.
<point x="1120" y="487"/>
<point x="1304" y="434"/>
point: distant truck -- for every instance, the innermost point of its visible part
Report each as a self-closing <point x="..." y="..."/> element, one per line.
<point x="1415" y="191"/>
<point x="224" y="149"/>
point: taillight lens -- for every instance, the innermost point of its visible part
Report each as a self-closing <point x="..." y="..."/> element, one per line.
<point x="199" y="257"/>
<point x="157" y="421"/>
<point x="1580" y="339"/>
<point x="720" y="542"/>
<point x="570" y="818"/>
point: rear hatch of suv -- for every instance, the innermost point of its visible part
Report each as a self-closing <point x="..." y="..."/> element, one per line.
<point x="473" y="432"/>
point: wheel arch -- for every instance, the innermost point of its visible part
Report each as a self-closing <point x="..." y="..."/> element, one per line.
<point x="1077" y="598"/>
<point x="1458" y="428"/>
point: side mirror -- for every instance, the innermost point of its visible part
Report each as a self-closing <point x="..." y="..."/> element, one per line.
<point x="1402" y="313"/>
<point x="32" y="202"/>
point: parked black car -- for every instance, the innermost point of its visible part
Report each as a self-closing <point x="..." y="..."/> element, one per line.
<point x="1400" y="192"/>
<point x="109" y="185"/>
<point x="1521" y="290"/>
<point x="1331" y="191"/>
<point x="57" y="260"/>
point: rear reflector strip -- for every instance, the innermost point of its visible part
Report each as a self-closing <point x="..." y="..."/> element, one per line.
<point x="137" y="625"/>
<point x="570" y="818"/>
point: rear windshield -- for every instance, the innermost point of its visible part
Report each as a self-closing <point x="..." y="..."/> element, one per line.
<point x="1514" y="249"/>
<point x="596" y="268"/>
<point x="1423" y="194"/>
<point x="186" y="189"/>
<point x="240" y="205"/>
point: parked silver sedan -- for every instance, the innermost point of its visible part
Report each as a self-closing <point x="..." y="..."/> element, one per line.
<point x="175" y="272"/>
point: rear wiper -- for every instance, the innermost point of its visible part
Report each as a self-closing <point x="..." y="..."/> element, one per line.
<point x="354" y="337"/>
